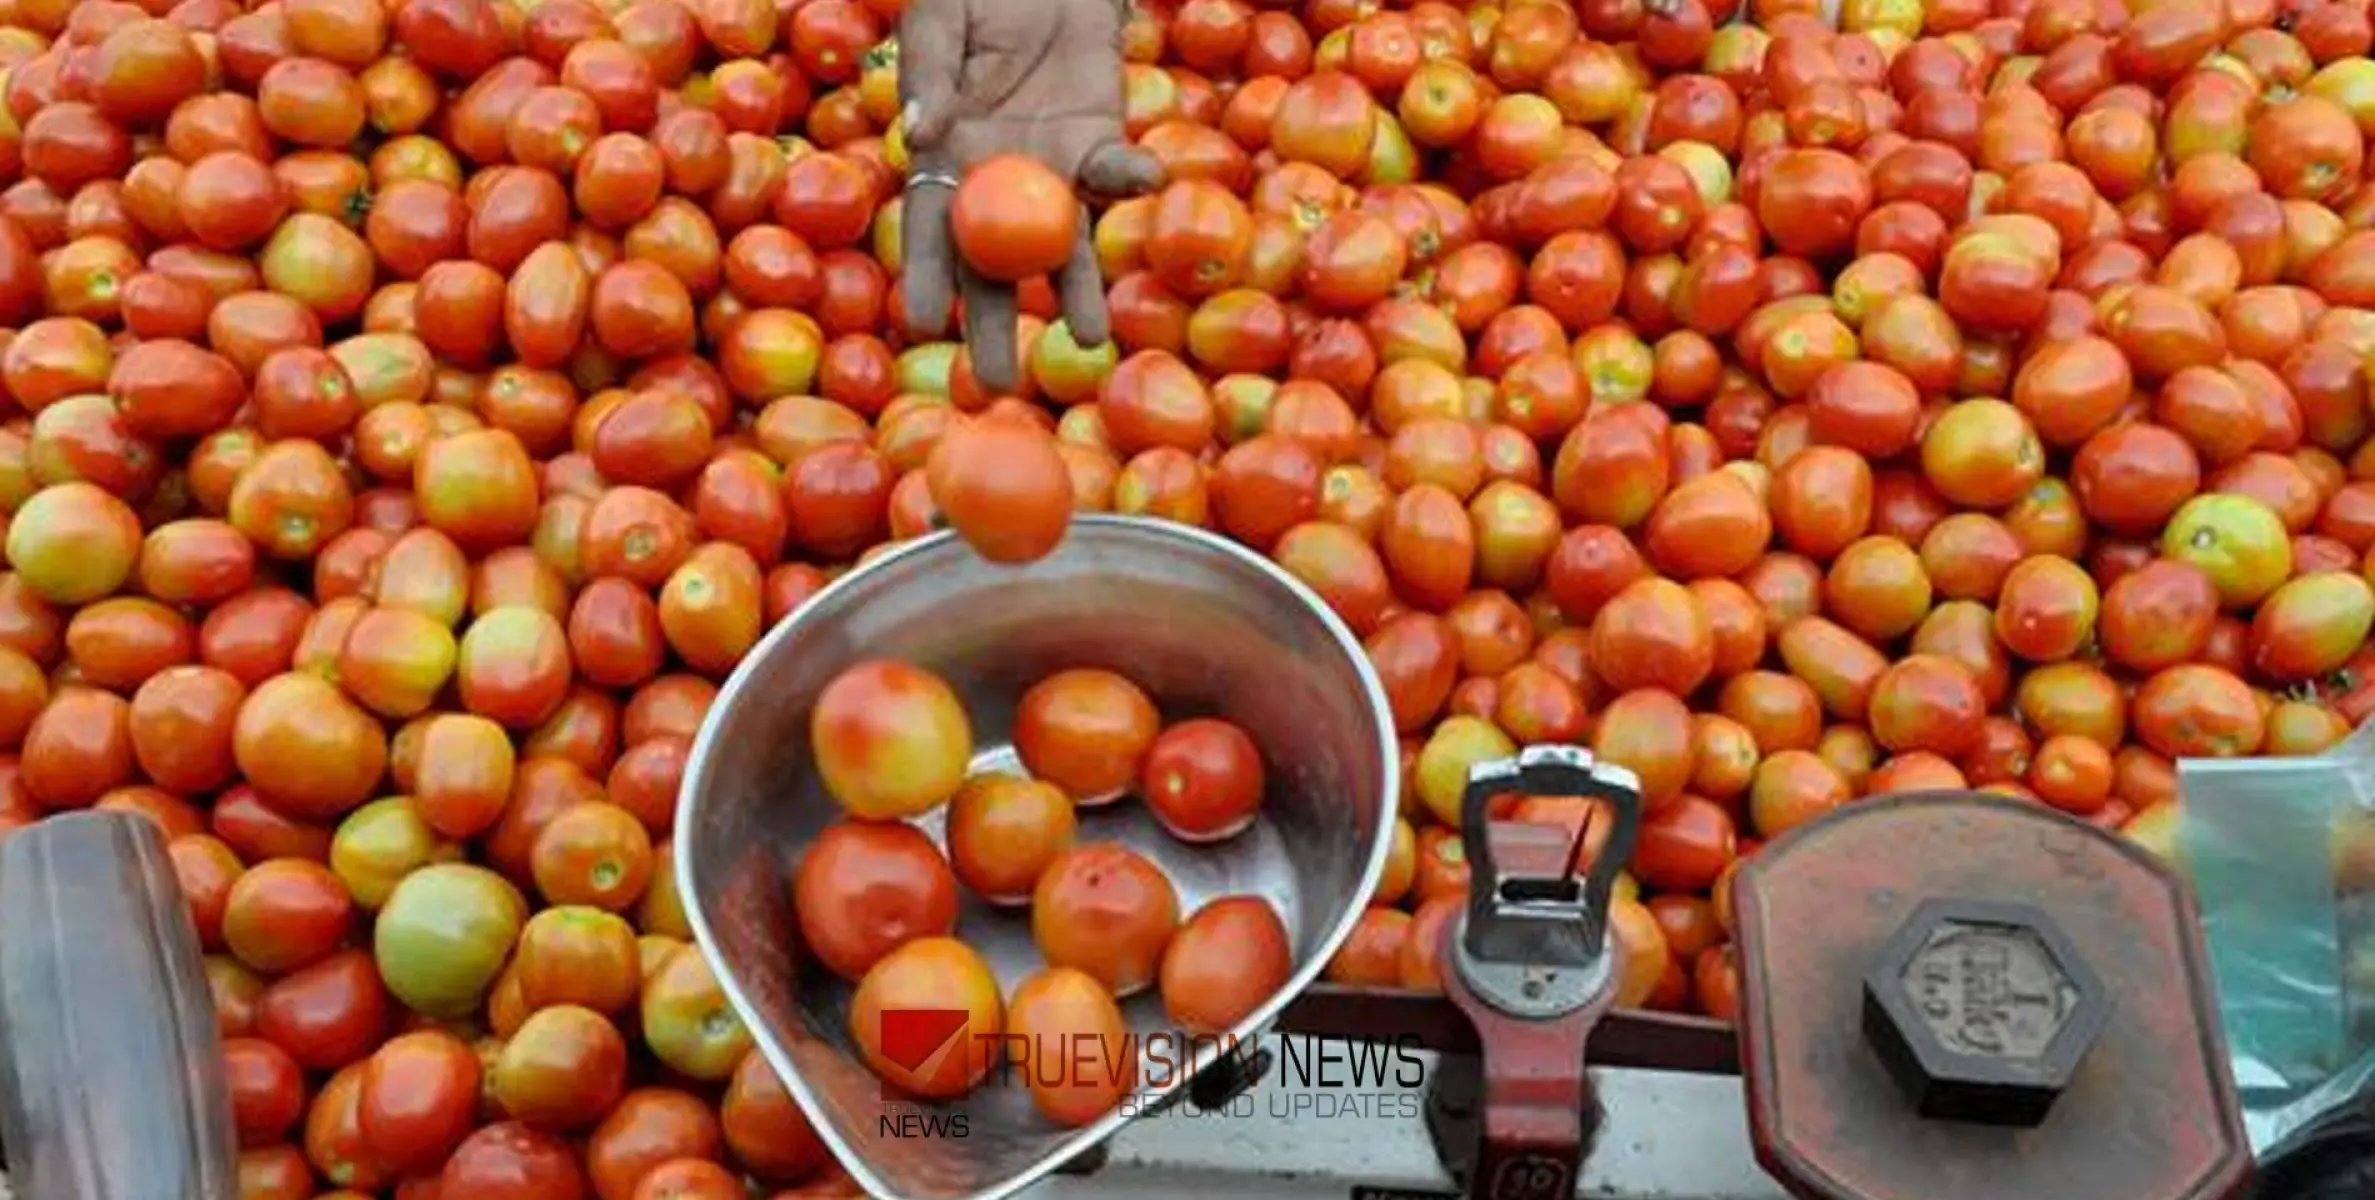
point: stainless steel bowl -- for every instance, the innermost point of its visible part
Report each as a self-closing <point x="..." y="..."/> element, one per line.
<point x="1206" y="626"/>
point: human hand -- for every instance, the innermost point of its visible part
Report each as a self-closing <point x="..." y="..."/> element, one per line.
<point x="979" y="78"/>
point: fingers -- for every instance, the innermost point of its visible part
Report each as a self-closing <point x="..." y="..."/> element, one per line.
<point x="1117" y="169"/>
<point x="931" y="55"/>
<point x="1080" y="288"/>
<point x="989" y="334"/>
<point x="928" y="279"/>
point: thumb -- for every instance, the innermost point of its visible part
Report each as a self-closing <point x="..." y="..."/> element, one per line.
<point x="931" y="53"/>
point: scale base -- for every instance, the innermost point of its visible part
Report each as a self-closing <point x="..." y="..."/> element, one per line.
<point x="1664" y="1136"/>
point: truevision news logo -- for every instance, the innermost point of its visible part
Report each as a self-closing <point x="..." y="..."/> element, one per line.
<point x="1311" y="1077"/>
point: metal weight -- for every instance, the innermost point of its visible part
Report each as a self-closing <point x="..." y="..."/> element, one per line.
<point x="1961" y="996"/>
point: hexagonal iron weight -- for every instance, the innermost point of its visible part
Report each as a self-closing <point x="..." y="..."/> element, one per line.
<point x="1982" y="1011"/>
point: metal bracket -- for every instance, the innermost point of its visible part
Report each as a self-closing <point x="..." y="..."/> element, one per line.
<point x="1533" y="941"/>
<point x="1532" y="968"/>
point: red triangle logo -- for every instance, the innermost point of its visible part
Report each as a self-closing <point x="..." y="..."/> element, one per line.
<point x="911" y="1036"/>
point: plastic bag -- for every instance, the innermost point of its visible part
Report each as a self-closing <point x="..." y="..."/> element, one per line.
<point x="2281" y="853"/>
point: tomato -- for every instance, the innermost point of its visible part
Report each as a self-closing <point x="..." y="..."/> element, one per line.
<point x="465" y="774"/>
<point x="307" y="748"/>
<point x="1654" y="633"/>
<point x="764" y="1127"/>
<point x="1069" y="1039"/>
<point x="692" y="1178"/>
<point x="2047" y="608"/>
<point x="1107" y="910"/>
<point x="510" y="1158"/>
<point x="442" y="935"/>
<point x="275" y="1173"/>
<point x="267" y="1090"/>
<point x="1002" y="486"/>
<point x="2310" y="624"/>
<point x="418" y="1099"/>
<point x="1003" y="832"/>
<point x="77" y="748"/>
<point x="1684" y="845"/>
<point x="864" y="889"/>
<point x="377" y="845"/>
<point x="649" y="1127"/>
<point x="1013" y="218"/>
<point x="512" y="665"/>
<point x="73" y="543"/>
<point x="1204" y="780"/>
<point x="2198" y="710"/>
<point x="2239" y="541"/>
<point x="477" y="487"/>
<point x="333" y="1134"/>
<point x="890" y="739"/>
<point x="576" y="954"/>
<point x="328" y="1014"/>
<point x="285" y="914"/>
<point x="1226" y="961"/>
<point x="687" y="1021"/>
<point x="563" y="1069"/>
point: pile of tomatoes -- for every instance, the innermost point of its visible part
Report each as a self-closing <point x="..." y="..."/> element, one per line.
<point x="418" y="406"/>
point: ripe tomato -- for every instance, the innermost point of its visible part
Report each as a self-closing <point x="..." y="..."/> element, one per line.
<point x="1069" y="1039"/>
<point x="1001" y="485"/>
<point x="328" y="1014"/>
<point x="509" y="1158"/>
<point x="937" y="973"/>
<point x="577" y="954"/>
<point x="418" y="1099"/>
<point x="1086" y="731"/>
<point x="561" y="1070"/>
<point x="1204" y="779"/>
<point x="333" y="1134"/>
<point x="1371" y="955"/>
<point x="1225" y="962"/>
<point x="1013" y="218"/>
<point x="764" y="1127"/>
<point x="1107" y="910"/>
<point x="890" y="739"/>
<point x="594" y="853"/>
<point x="267" y="1090"/>
<point x="688" y="1023"/>
<point x="285" y="914"/>
<point x="863" y="889"/>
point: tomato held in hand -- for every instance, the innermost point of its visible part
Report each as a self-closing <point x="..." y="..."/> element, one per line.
<point x="865" y="888"/>
<point x="1013" y="218"/>
<point x="1224" y="963"/>
<point x="891" y="740"/>
<point x="1204" y="779"/>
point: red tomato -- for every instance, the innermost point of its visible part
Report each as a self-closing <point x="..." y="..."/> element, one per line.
<point x="1013" y="218"/>
<point x="1204" y="779"/>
